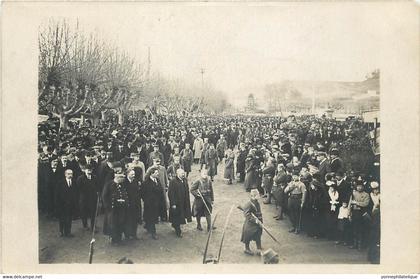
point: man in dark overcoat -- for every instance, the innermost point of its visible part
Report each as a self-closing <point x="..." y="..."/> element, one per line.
<point x="252" y="228"/>
<point x="54" y="178"/>
<point x="179" y="201"/>
<point x="337" y="164"/>
<point x="65" y="200"/>
<point x="324" y="166"/>
<point x="153" y="199"/>
<point x="240" y="162"/>
<point x="88" y="187"/>
<point x="134" y="210"/>
<point x="118" y="196"/>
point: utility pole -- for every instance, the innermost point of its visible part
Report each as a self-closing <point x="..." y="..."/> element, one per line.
<point x="313" y="99"/>
<point x="202" y="78"/>
<point x="149" y="62"/>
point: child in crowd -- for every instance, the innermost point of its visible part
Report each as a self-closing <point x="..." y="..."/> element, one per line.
<point x="343" y="225"/>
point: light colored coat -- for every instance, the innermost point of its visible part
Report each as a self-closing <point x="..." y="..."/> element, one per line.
<point x="198" y="148"/>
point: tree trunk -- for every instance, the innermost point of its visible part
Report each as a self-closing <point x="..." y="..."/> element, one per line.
<point x="103" y="116"/>
<point x="96" y="118"/>
<point x="64" y="120"/>
<point x="120" y="117"/>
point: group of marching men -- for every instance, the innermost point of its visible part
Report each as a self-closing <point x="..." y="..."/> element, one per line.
<point x="109" y="169"/>
<point x="78" y="193"/>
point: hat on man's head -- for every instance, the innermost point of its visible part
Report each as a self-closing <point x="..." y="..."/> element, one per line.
<point x="322" y="153"/>
<point x="307" y="177"/>
<point x="334" y="151"/>
<point x="374" y="185"/>
<point x="54" y="158"/>
<point x="87" y="167"/>
<point x="330" y="183"/>
<point x="254" y="191"/>
<point x="359" y="182"/>
<point x="339" y="173"/>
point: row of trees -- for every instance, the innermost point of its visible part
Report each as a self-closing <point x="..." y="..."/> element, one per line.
<point x="82" y="75"/>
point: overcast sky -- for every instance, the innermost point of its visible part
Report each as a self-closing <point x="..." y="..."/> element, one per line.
<point x="241" y="47"/>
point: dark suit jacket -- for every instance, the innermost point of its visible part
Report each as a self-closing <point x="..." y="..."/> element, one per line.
<point x="323" y="169"/>
<point x="133" y="190"/>
<point x="153" y="199"/>
<point x="65" y="197"/>
<point x="179" y="195"/>
<point x="88" y="190"/>
<point x="337" y="165"/>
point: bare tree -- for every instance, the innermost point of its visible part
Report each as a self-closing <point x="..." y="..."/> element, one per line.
<point x="82" y="75"/>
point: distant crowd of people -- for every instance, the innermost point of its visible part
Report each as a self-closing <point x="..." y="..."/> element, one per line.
<point x="137" y="173"/>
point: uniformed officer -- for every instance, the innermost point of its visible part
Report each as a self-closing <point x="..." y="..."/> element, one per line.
<point x="202" y="190"/>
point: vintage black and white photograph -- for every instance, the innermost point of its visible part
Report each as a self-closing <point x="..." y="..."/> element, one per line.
<point x="166" y="137"/>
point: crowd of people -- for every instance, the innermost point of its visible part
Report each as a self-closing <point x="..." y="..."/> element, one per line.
<point x="137" y="173"/>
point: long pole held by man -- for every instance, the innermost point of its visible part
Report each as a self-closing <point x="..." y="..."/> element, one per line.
<point x="92" y="242"/>
<point x="204" y="201"/>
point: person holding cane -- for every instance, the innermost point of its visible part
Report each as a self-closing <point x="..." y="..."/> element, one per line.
<point x="252" y="228"/>
<point x="202" y="190"/>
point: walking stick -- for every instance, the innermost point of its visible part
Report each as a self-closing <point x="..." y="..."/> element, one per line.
<point x="204" y="201"/>
<point x="207" y="243"/>
<point x="92" y="242"/>
<point x="262" y="225"/>
<point x="300" y="219"/>
<point x="223" y="235"/>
